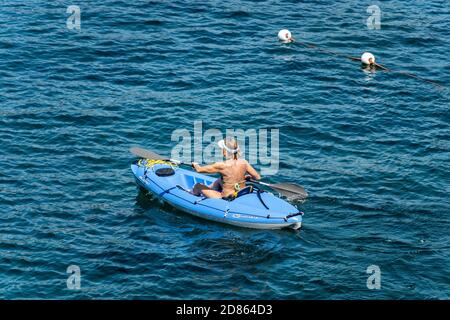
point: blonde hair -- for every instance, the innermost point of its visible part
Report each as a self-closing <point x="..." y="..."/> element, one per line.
<point x="231" y="143"/>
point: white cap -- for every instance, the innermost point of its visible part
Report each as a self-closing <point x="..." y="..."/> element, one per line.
<point x="366" y="56"/>
<point x="222" y="145"/>
<point x="284" y="35"/>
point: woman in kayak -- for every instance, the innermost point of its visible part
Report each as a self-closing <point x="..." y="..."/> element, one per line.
<point x="233" y="172"/>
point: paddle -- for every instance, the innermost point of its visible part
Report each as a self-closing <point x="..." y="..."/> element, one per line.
<point x="289" y="190"/>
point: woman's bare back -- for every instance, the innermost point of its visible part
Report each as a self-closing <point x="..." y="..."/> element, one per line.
<point x="233" y="176"/>
<point x="232" y="173"/>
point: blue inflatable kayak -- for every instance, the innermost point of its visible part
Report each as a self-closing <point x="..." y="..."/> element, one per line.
<point x="252" y="208"/>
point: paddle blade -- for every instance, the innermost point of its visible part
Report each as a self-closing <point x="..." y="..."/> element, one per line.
<point x="291" y="191"/>
<point x="146" y="154"/>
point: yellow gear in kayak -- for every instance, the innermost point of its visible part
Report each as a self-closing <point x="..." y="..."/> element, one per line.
<point x="150" y="163"/>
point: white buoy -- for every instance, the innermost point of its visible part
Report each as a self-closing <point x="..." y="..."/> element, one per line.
<point x="367" y="58"/>
<point x="285" y="35"/>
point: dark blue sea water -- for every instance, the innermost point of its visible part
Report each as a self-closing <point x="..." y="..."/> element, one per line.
<point x="372" y="148"/>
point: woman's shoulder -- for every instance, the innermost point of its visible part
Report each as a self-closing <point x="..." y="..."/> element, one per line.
<point x="242" y="161"/>
<point x="219" y="165"/>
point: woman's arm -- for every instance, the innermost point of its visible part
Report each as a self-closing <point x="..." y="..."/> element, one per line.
<point x="251" y="171"/>
<point x="212" y="168"/>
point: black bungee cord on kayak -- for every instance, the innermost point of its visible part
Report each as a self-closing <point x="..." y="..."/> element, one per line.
<point x="227" y="211"/>
<point x="275" y="218"/>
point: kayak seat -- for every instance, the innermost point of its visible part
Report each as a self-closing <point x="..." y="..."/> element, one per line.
<point x="243" y="191"/>
<point x="199" y="180"/>
<point x="189" y="181"/>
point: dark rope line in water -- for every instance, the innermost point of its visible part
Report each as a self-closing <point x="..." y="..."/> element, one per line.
<point x="313" y="46"/>
<point x="422" y="79"/>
